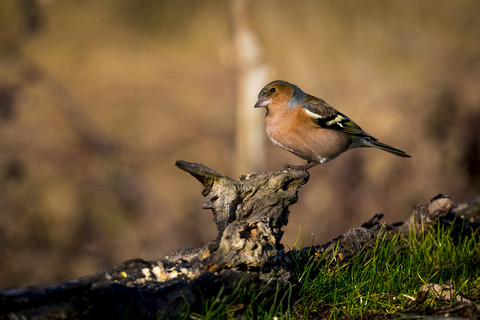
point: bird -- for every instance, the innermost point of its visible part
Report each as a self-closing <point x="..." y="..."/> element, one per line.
<point x="309" y="127"/>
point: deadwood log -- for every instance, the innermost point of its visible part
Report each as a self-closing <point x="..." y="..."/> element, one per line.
<point x="249" y="214"/>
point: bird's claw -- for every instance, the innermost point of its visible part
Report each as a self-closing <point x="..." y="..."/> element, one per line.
<point x="303" y="167"/>
<point x="293" y="167"/>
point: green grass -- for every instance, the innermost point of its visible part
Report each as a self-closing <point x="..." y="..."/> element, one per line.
<point x="379" y="281"/>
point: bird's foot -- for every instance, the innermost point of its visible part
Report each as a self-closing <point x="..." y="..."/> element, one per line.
<point x="303" y="167"/>
<point x="293" y="167"/>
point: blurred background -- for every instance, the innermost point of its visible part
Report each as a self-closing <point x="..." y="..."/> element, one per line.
<point x="99" y="98"/>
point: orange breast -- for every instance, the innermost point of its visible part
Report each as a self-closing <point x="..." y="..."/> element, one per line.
<point x="294" y="130"/>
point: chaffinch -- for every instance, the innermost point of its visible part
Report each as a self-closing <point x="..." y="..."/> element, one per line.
<point x="309" y="127"/>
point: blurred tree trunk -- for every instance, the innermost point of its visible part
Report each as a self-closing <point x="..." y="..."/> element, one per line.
<point x="252" y="75"/>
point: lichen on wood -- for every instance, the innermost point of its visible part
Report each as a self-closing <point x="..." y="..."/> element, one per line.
<point x="249" y="213"/>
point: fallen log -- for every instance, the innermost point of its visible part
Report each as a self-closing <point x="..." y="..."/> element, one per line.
<point x="249" y="214"/>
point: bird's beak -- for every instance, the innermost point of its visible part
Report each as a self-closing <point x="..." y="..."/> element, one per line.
<point x="262" y="102"/>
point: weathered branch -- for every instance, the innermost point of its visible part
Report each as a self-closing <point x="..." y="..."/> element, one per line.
<point x="249" y="215"/>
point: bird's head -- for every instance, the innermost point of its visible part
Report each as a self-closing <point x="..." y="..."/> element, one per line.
<point x="280" y="93"/>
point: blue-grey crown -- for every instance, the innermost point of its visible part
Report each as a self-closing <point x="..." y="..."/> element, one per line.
<point x="297" y="98"/>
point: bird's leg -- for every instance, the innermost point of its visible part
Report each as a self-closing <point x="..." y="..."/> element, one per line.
<point x="307" y="165"/>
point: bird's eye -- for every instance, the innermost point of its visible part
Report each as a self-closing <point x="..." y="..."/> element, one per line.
<point x="273" y="90"/>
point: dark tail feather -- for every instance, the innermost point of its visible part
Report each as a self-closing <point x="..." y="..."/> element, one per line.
<point x="386" y="147"/>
